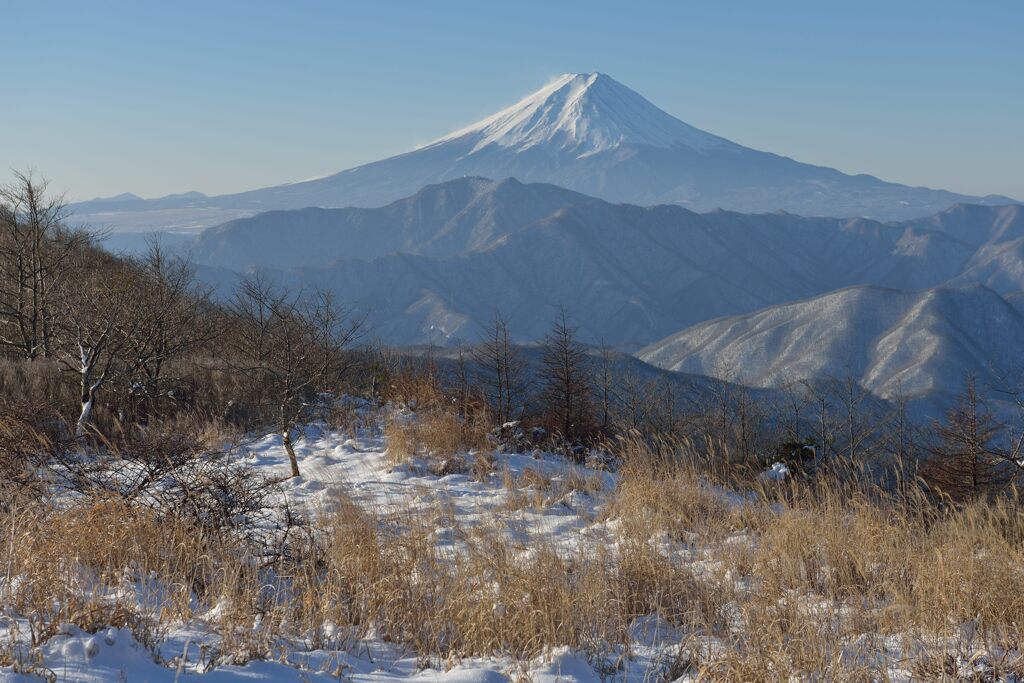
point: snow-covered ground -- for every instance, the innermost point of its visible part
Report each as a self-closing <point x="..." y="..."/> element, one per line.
<point x="114" y="655"/>
<point x="333" y="465"/>
<point x="529" y="498"/>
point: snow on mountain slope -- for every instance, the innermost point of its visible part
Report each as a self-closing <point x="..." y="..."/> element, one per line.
<point x="975" y="224"/>
<point x="584" y="114"/>
<point x="893" y="342"/>
<point x="584" y="132"/>
<point x="998" y="261"/>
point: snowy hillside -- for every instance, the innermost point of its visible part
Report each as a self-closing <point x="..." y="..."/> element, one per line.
<point x="584" y="132"/>
<point x="892" y="342"/>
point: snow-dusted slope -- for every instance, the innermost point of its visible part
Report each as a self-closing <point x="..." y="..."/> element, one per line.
<point x="585" y="132"/>
<point x="893" y="342"/>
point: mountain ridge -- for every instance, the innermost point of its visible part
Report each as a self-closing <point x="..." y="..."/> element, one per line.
<point x="431" y="267"/>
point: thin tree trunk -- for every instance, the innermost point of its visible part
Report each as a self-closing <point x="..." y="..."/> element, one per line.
<point x="286" y="438"/>
<point x="88" y="401"/>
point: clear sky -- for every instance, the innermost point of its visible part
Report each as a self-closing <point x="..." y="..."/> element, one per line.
<point x="159" y="97"/>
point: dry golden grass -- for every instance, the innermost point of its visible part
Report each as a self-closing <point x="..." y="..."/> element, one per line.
<point x="441" y="423"/>
<point x="483" y="465"/>
<point x="435" y="427"/>
<point x="800" y="581"/>
<point x="70" y="560"/>
<point x="401" y="439"/>
<point x="533" y="478"/>
<point x="438" y="433"/>
<point x="820" y="572"/>
<point x="661" y="494"/>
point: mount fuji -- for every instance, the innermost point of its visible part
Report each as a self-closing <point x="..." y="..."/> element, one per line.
<point x="584" y="132"/>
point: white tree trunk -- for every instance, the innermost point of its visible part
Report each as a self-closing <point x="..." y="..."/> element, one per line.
<point x="286" y="438"/>
<point x="88" y="401"/>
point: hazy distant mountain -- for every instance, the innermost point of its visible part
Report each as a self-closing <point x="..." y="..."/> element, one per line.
<point x="434" y="266"/>
<point x="123" y="198"/>
<point x="585" y="132"/>
<point x="469" y="214"/>
<point x="893" y="342"/>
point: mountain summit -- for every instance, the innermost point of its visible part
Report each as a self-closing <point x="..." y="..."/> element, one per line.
<point x="583" y="114"/>
<point x="584" y="132"/>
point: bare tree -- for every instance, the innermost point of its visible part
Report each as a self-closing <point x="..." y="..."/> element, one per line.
<point x="469" y="395"/>
<point x="795" y="402"/>
<point x="860" y="422"/>
<point x="821" y="419"/>
<point x="900" y="440"/>
<point x="632" y="402"/>
<point x="665" y="407"/>
<point x="732" y="417"/>
<point x="501" y="370"/>
<point x="604" y="389"/>
<point x="35" y="254"/>
<point x="564" y="381"/>
<point x="99" y="318"/>
<point x="291" y="346"/>
<point x="178" y="319"/>
<point x="381" y="366"/>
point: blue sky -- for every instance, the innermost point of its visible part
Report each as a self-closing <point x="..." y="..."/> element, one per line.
<point x="161" y="97"/>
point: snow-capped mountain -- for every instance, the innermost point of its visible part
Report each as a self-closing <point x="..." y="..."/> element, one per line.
<point x="894" y="343"/>
<point x="434" y="266"/>
<point x="584" y="132"/>
<point x="584" y="114"/>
